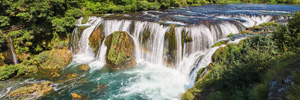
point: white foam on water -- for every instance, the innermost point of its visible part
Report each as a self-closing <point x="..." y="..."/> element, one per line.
<point x="155" y="82"/>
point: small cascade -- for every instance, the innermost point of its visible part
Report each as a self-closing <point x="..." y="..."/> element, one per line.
<point x="205" y="61"/>
<point x="85" y="52"/>
<point x="14" y="56"/>
<point x="248" y="20"/>
<point x="155" y="44"/>
<point x="178" y="36"/>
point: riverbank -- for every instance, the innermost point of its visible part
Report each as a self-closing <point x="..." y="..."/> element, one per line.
<point x="253" y="68"/>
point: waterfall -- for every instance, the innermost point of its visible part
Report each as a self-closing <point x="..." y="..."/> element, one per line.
<point x="149" y="40"/>
<point x="85" y="53"/>
<point x="178" y="36"/>
<point x="155" y="44"/>
<point x="205" y="61"/>
<point x="14" y="56"/>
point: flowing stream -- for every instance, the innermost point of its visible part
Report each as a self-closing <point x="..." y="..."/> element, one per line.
<point x="196" y="30"/>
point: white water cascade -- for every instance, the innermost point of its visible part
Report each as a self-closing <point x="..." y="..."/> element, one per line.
<point x="85" y="53"/>
<point x="152" y="50"/>
<point x="190" y="56"/>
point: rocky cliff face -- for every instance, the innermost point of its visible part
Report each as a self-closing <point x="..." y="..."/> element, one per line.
<point x="120" y="50"/>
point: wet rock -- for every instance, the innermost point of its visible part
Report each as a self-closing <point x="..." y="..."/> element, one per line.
<point x="33" y="89"/>
<point x="120" y="50"/>
<point x="96" y="38"/>
<point x="279" y="89"/>
<point x="75" y="96"/>
<point x="170" y="47"/>
<point x="72" y="76"/>
<point x="84" y="67"/>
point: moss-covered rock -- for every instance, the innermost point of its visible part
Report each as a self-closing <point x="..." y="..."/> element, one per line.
<point x="145" y="35"/>
<point x="85" y="19"/>
<point x="96" y="38"/>
<point x="75" y="96"/>
<point x="33" y="89"/>
<point x="55" y="58"/>
<point x="120" y="50"/>
<point x="171" y="46"/>
<point x="220" y="43"/>
<point x="186" y="36"/>
<point x="84" y="67"/>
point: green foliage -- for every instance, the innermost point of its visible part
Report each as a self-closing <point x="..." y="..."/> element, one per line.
<point x="220" y="43"/>
<point x="293" y="94"/>
<point x="238" y="67"/>
<point x="9" y="71"/>
<point x="199" y="73"/>
<point x="74" y="12"/>
<point x="2" y="42"/>
<point x="244" y="71"/>
<point x="4" y="20"/>
<point x="85" y="19"/>
<point x="230" y="35"/>
<point x="288" y="37"/>
<point x="260" y="92"/>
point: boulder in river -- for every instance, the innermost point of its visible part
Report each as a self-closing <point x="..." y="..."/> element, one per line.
<point x="120" y="50"/>
<point x="33" y="89"/>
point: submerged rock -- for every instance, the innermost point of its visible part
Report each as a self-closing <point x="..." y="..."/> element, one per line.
<point x="33" y="89"/>
<point x="75" y="96"/>
<point x="84" y="67"/>
<point x="72" y="76"/>
<point x="120" y="50"/>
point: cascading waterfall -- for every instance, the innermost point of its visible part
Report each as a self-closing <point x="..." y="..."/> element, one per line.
<point x="152" y="49"/>
<point x="205" y="61"/>
<point x="14" y="56"/>
<point x="193" y="52"/>
<point x="85" y="53"/>
<point x="170" y="47"/>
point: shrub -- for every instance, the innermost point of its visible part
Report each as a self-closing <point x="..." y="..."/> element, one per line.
<point x="74" y="13"/>
<point x="85" y="19"/>
<point x="288" y="37"/>
<point x="9" y="71"/>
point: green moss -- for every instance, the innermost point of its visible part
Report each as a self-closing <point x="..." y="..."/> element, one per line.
<point x="220" y="43"/>
<point x="188" y="95"/>
<point x="55" y="58"/>
<point x="171" y="47"/>
<point x="9" y="71"/>
<point x="96" y="38"/>
<point x="120" y="50"/>
<point x="85" y="19"/>
<point x="145" y="35"/>
<point x="268" y="24"/>
<point x="199" y="73"/>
